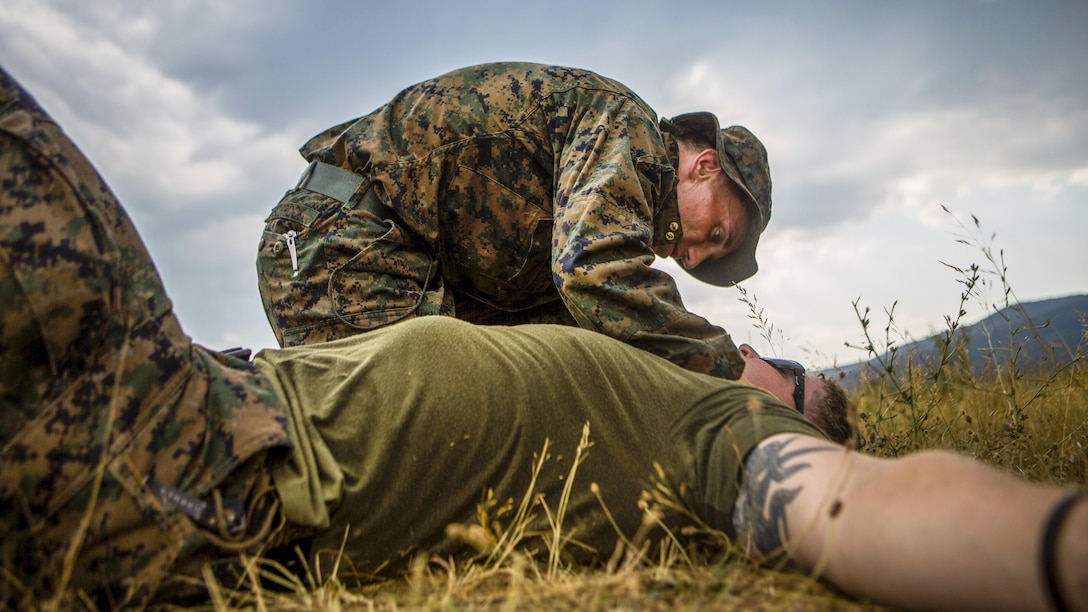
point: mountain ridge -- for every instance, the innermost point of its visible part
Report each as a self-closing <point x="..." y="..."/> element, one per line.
<point x="1045" y="333"/>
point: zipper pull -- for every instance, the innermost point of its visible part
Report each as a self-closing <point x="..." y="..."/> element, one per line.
<point x="290" y="237"/>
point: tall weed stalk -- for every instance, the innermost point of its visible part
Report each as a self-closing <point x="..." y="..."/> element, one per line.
<point x="1029" y="417"/>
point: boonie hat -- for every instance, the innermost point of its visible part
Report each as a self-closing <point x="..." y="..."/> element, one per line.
<point x="744" y="160"/>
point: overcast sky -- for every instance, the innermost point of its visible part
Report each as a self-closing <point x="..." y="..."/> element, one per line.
<point x="875" y="114"/>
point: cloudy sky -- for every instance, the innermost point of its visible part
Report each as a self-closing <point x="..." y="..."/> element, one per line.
<point x="875" y="114"/>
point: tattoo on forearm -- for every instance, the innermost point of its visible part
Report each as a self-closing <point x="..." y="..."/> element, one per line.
<point x="759" y="516"/>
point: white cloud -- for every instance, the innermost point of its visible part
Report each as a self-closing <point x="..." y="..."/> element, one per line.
<point x="146" y="128"/>
<point x="1079" y="176"/>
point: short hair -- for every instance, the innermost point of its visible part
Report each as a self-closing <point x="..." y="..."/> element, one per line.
<point x="695" y="142"/>
<point x="692" y="139"/>
<point x="835" y="414"/>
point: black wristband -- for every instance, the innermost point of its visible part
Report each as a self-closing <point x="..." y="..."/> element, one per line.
<point x="1049" y="548"/>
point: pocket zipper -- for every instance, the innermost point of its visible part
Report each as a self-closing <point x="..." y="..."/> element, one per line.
<point x="290" y="238"/>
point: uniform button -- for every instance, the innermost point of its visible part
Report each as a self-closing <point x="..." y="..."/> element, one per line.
<point x="668" y="236"/>
<point x="277" y="247"/>
<point x="674" y="226"/>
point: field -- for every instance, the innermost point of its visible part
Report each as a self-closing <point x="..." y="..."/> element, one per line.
<point x="1028" y="420"/>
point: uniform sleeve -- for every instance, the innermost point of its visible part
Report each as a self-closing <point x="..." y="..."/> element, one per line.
<point x="610" y="172"/>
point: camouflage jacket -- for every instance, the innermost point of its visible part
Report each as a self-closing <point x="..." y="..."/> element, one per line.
<point x="106" y="407"/>
<point x="533" y="183"/>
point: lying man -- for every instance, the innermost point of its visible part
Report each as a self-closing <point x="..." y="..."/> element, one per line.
<point x="132" y="456"/>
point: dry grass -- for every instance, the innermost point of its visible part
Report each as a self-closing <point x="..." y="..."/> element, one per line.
<point x="443" y="585"/>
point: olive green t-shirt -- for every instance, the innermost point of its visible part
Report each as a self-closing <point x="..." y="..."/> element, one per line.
<point x="405" y="430"/>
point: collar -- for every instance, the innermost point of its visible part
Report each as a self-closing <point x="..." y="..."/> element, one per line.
<point x="667" y="228"/>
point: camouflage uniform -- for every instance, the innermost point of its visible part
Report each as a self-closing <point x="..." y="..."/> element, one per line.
<point x="501" y="193"/>
<point x="111" y="419"/>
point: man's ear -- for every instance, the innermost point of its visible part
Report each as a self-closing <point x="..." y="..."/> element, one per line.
<point x="706" y="164"/>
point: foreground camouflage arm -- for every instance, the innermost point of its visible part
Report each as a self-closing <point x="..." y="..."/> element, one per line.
<point x="106" y="406"/>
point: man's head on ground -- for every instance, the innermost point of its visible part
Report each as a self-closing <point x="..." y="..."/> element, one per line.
<point x="822" y="400"/>
<point x="724" y="199"/>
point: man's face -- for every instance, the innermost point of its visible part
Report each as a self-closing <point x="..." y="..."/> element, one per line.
<point x="713" y="213"/>
<point x="779" y="383"/>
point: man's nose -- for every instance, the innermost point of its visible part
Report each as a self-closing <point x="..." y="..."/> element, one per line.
<point x="694" y="257"/>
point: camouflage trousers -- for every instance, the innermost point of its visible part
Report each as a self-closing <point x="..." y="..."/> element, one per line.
<point x="329" y="269"/>
<point x="109" y="417"/>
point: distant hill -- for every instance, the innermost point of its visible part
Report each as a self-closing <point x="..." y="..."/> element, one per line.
<point x="1045" y="334"/>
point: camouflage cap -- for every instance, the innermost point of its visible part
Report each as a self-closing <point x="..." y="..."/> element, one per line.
<point x="744" y="160"/>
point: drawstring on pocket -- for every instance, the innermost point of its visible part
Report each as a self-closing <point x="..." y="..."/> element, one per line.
<point x="263" y="515"/>
<point x="419" y="301"/>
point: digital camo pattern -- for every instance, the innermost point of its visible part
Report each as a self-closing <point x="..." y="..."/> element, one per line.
<point x="362" y="272"/>
<point x="100" y="390"/>
<point x="515" y="186"/>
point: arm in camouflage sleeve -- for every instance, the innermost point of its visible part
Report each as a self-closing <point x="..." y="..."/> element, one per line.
<point x="603" y="239"/>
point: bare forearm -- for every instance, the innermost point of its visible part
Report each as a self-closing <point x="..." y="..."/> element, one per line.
<point x="933" y="530"/>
